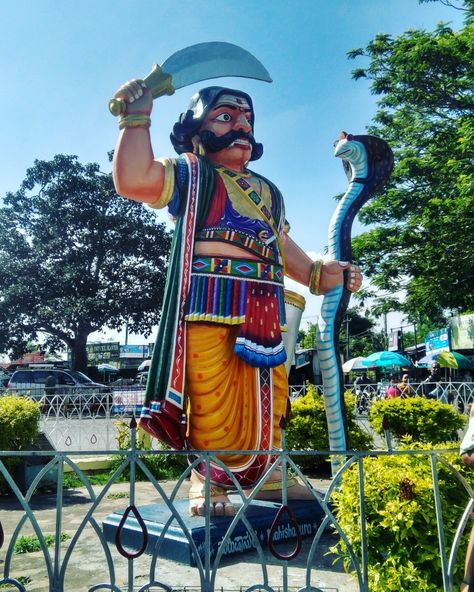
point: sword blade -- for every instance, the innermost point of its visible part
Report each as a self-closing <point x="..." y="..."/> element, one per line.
<point x="203" y="61"/>
<point x="214" y="59"/>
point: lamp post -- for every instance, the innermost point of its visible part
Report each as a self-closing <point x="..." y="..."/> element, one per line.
<point x="347" y="320"/>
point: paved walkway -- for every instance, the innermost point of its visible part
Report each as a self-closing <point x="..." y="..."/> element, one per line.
<point x="88" y="565"/>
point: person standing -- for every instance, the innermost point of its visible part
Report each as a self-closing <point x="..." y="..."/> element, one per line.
<point x="392" y="389"/>
<point x="406" y="390"/>
<point x="467" y="456"/>
<point x="433" y="382"/>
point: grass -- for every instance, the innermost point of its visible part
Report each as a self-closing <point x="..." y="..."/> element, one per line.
<point x="72" y="481"/>
<point x="118" y="495"/>
<point x="22" y="579"/>
<point x="161" y="467"/>
<point x="30" y="544"/>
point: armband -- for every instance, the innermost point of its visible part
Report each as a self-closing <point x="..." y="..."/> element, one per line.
<point x="137" y="120"/>
<point x="315" y="278"/>
<point x="168" y="185"/>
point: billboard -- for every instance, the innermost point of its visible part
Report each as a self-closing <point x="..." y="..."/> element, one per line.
<point x="102" y="352"/>
<point x="128" y="400"/>
<point x="462" y="332"/>
<point x="437" y="341"/>
<point x="395" y="340"/>
<point x="134" y="351"/>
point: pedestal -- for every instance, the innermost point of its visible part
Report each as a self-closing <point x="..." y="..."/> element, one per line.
<point x="176" y="545"/>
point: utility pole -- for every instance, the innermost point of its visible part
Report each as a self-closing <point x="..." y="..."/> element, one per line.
<point x="348" y="320"/>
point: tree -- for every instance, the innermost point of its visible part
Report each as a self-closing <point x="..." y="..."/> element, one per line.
<point x="364" y="339"/>
<point x="75" y="257"/>
<point x="420" y="249"/>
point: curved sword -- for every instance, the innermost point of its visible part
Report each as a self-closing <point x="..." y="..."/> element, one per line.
<point x="202" y="61"/>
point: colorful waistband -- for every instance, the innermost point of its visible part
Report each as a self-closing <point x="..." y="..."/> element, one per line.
<point x="242" y="240"/>
<point x="238" y="268"/>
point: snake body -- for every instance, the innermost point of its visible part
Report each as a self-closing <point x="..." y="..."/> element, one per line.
<point x="368" y="161"/>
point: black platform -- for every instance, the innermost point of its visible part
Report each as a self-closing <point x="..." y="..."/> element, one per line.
<point x="176" y="545"/>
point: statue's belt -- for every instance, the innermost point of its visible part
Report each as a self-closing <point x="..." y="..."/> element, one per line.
<point x="240" y="239"/>
<point x="238" y="268"/>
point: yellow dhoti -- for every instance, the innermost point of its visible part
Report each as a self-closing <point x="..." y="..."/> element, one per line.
<point x="230" y="406"/>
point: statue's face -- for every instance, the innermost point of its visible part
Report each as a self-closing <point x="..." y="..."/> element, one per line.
<point x="230" y="114"/>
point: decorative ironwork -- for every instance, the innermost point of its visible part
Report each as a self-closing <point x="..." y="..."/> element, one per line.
<point x="59" y="565"/>
<point x="293" y="524"/>
<point x="118" y="543"/>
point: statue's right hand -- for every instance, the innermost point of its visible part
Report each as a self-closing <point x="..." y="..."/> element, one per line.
<point x="136" y="96"/>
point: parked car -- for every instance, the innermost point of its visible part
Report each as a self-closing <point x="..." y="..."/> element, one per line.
<point x="59" y="387"/>
<point x="4" y="378"/>
<point x="122" y="382"/>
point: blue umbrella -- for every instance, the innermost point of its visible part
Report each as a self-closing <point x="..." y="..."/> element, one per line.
<point x="386" y="358"/>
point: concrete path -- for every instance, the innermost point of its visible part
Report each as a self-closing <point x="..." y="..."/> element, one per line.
<point x="88" y="566"/>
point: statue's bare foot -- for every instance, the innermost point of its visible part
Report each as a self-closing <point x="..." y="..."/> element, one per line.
<point x="219" y="504"/>
<point x="272" y="490"/>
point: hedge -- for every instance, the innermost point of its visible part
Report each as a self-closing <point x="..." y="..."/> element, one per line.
<point x="308" y="430"/>
<point x="424" y="420"/>
<point x="19" y="426"/>
<point x="402" y="539"/>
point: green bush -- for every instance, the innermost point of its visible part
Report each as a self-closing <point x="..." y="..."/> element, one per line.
<point x="402" y="539"/>
<point x="19" y="421"/>
<point x="161" y="466"/>
<point x="424" y="420"/>
<point x="308" y="430"/>
<point x="19" y="426"/>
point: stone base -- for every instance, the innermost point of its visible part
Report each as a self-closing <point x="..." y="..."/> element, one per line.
<point x="176" y="544"/>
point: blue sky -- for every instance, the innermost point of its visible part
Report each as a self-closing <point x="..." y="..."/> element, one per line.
<point x="61" y="60"/>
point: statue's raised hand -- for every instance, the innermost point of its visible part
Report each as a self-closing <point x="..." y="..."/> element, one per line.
<point x="136" y="97"/>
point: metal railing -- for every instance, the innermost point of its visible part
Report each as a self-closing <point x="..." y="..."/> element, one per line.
<point x="92" y="560"/>
<point x="73" y="422"/>
<point x="459" y="394"/>
<point x="84" y="421"/>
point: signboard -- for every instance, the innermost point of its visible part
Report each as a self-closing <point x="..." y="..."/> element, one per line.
<point x="395" y="340"/>
<point x="128" y="400"/>
<point x="29" y="358"/>
<point x="462" y="332"/>
<point x="102" y="352"/>
<point x="302" y="358"/>
<point x="134" y="351"/>
<point x="437" y="341"/>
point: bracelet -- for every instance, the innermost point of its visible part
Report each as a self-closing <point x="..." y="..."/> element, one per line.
<point x="315" y="277"/>
<point x="137" y="120"/>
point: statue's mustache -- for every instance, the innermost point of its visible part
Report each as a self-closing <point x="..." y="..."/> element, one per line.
<point x="213" y="143"/>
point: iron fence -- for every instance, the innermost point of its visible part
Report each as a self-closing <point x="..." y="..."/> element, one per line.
<point x="459" y="394"/>
<point x="78" y="421"/>
<point x="83" y="555"/>
<point x="74" y="423"/>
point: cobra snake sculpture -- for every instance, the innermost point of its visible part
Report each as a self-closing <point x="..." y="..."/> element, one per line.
<point x="368" y="162"/>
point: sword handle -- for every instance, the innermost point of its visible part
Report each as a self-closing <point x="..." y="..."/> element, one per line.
<point x="158" y="82"/>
